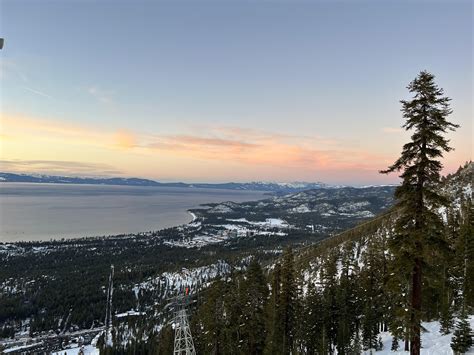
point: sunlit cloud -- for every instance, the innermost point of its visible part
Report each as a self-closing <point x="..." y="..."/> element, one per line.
<point x="75" y="168"/>
<point x="251" y="149"/>
<point x="125" y="139"/>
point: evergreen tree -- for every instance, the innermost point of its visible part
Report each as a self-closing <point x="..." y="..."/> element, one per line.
<point x="465" y="253"/>
<point x="462" y="339"/>
<point x="418" y="236"/>
<point x="165" y="344"/>
<point x="345" y="300"/>
<point x="253" y="299"/>
<point x="329" y="284"/>
<point x="394" y="343"/>
<point x="275" y="330"/>
<point x="210" y="320"/>
<point x="287" y="301"/>
<point x="312" y="322"/>
<point x="446" y="317"/>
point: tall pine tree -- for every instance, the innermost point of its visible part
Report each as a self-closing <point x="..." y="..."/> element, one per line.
<point x="287" y="300"/>
<point x="418" y="228"/>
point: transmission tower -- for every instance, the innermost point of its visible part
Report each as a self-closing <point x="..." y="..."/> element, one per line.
<point x="108" y="309"/>
<point x="183" y="340"/>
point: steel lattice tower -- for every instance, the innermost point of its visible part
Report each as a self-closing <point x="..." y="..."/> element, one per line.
<point x="183" y="340"/>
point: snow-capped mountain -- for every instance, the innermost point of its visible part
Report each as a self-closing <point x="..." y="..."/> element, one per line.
<point x="276" y="187"/>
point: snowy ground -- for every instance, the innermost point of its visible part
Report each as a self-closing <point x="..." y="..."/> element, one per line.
<point x="432" y="341"/>
<point x="88" y="350"/>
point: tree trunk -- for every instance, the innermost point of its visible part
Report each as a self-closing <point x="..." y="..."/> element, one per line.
<point x="416" y="309"/>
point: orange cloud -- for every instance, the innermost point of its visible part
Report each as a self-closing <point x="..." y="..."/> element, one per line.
<point x="228" y="145"/>
<point x="125" y="139"/>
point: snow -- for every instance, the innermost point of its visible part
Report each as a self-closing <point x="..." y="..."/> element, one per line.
<point x="269" y="222"/>
<point x="170" y="283"/>
<point x="88" y="350"/>
<point x="238" y="220"/>
<point x="225" y="207"/>
<point x="130" y="313"/>
<point x="303" y="208"/>
<point x="432" y="341"/>
<point x="20" y="348"/>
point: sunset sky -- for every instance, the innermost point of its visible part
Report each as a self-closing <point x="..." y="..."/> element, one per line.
<point x="225" y="90"/>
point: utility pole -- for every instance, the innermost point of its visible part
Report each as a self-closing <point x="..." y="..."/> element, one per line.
<point x="108" y="310"/>
<point x="183" y="340"/>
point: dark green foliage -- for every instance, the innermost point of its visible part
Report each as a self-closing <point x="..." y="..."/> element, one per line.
<point x="286" y="309"/>
<point x="419" y="240"/>
<point x="275" y="330"/>
<point x="446" y="314"/>
<point x="313" y="339"/>
<point x="462" y="338"/>
<point x="253" y="294"/>
<point x="395" y="345"/>
<point x="165" y="344"/>
<point x="231" y="315"/>
<point x="282" y="307"/>
<point x="465" y="253"/>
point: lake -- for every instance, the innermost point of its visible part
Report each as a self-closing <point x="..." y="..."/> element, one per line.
<point x="30" y="211"/>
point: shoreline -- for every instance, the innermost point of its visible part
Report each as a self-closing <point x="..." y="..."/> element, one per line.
<point x="77" y="214"/>
<point x="192" y="215"/>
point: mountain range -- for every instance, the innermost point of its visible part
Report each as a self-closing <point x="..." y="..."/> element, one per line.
<point x="278" y="187"/>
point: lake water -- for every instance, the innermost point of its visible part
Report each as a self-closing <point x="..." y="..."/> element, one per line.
<point x="52" y="211"/>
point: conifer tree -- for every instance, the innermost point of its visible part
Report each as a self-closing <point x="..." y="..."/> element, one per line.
<point x="253" y="299"/>
<point x="462" y="339"/>
<point x="165" y="342"/>
<point x="287" y="300"/>
<point x="446" y="317"/>
<point x="274" y="333"/>
<point x="465" y="253"/>
<point x="419" y="230"/>
<point x="345" y="300"/>
<point x="395" y="345"/>
<point x="329" y="283"/>
<point x="312" y="319"/>
<point x="210" y="320"/>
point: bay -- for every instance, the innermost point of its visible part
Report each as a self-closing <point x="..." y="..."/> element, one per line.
<point x="32" y="211"/>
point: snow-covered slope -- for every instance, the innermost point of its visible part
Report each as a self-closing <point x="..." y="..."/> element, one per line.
<point x="432" y="341"/>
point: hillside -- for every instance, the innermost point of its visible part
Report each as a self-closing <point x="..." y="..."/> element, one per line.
<point x="341" y="275"/>
<point x="347" y="295"/>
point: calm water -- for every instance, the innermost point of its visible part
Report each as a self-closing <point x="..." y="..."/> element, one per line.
<point x="45" y="211"/>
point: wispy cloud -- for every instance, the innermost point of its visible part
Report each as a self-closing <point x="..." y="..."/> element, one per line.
<point x="37" y="92"/>
<point x="72" y="168"/>
<point x="101" y="95"/>
<point x="233" y="145"/>
<point x="262" y="148"/>
<point x="10" y="68"/>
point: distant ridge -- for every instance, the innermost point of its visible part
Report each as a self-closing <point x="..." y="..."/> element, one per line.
<point x="277" y="187"/>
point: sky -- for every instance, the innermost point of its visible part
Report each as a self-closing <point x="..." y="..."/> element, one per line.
<point x="214" y="91"/>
